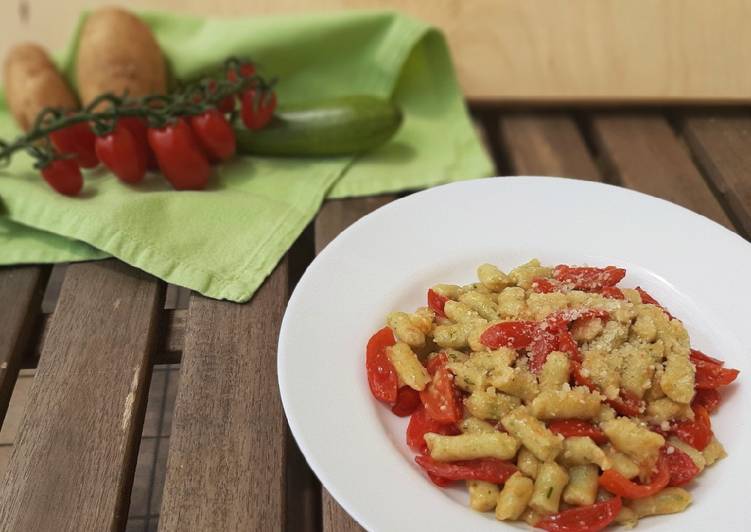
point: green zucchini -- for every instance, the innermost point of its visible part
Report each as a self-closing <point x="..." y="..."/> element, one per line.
<point x="340" y="126"/>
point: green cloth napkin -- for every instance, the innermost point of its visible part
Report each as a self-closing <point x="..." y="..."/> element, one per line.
<point x="224" y="241"/>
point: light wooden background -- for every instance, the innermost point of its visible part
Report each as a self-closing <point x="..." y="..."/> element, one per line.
<point x="529" y="50"/>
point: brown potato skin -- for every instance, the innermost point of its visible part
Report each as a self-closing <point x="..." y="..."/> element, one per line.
<point x="117" y="53"/>
<point x="32" y="82"/>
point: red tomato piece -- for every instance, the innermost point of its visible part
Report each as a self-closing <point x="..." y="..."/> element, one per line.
<point x="583" y="519"/>
<point x="436" y="302"/>
<point x="382" y="377"/>
<point x="617" y="484"/>
<point x="120" y="153"/>
<point x="246" y="70"/>
<point x="64" y="176"/>
<point x="543" y="286"/>
<point x="439" y="481"/>
<point x="420" y="424"/>
<point x="513" y="334"/>
<point x="441" y="400"/>
<point x="612" y="292"/>
<point x="568" y="345"/>
<point x="214" y="134"/>
<point x="709" y="399"/>
<point x="436" y="362"/>
<point x="226" y="104"/>
<point x="697" y="433"/>
<point x="680" y="466"/>
<point x="649" y="300"/>
<point x="698" y="355"/>
<point x="587" y="278"/>
<point x="576" y="427"/>
<point x="560" y="320"/>
<point x="257" y="108"/>
<point x="407" y="401"/>
<point x="710" y="376"/>
<point x="542" y="345"/>
<point x="77" y="139"/>
<point x="180" y="157"/>
<point x="139" y="129"/>
<point x="486" y="469"/>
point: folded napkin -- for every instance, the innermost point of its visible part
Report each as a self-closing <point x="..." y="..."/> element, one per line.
<point x="224" y="241"/>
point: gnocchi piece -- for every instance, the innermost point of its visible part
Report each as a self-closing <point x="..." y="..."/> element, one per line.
<point x="604" y="370"/>
<point x="555" y="371"/>
<point x="611" y="338"/>
<point x="582" y="450"/>
<point x="572" y="403"/>
<point x="620" y="462"/>
<point x="541" y="306"/>
<point x="532" y="433"/>
<point x="405" y="330"/>
<point x="492" y="278"/>
<point x="635" y="441"/>
<point x="631" y="295"/>
<point x="514" y="497"/>
<point x="668" y="501"/>
<point x="582" y="485"/>
<point x="627" y="516"/>
<point x="408" y="366"/>
<point x="713" y="452"/>
<point x="665" y="409"/>
<point x="549" y="484"/>
<point x="473" y="425"/>
<point x="527" y="462"/>
<point x="697" y="457"/>
<point x="490" y="404"/>
<point x="452" y="336"/>
<point x="450" y="291"/>
<point x="483" y="496"/>
<point x="471" y="446"/>
<point x="511" y="303"/>
<point x="515" y="381"/>
<point x="467" y="376"/>
<point x="587" y="330"/>
<point x="496" y="359"/>
<point x="678" y="380"/>
<point x="523" y="275"/>
<point x="644" y="327"/>
<point x="460" y="313"/>
<point x="481" y="303"/>
<point x="637" y="369"/>
<point x="530" y="517"/>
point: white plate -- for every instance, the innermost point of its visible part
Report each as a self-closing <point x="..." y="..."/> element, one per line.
<point x="387" y="260"/>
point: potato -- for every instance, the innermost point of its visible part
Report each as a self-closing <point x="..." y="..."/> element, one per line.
<point x="117" y="53"/>
<point x="32" y="82"/>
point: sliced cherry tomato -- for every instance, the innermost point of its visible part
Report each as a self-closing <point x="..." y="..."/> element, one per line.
<point x="257" y="108"/>
<point x="697" y="433"/>
<point x="139" y="129"/>
<point x="486" y="469"/>
<point x="542" y="345"/>
<point x="513" y="334"/>
<point x="710" y="376"/>
<point x="568" y="345"/>
<point x="420" y="424"/>
<point x="77" y="139"/>
<point x="407" y="401"/>
<point x="576" y="427"/>
<point x="382" y="377"/>
<point x="649" y="300"/>
<point x="119" y="152"/>
<point x="709" y="399"/>
<point x="180" y="157"/>
<point x="680" y="466"/>
<point x="617" y="484"/>
<point x="439" y="481"/>
<point x="560" y="320"/>
<point x="698" y="355"/>
<point x="436" y="362"/>
<point x="441" y="400"/>
<point x="436" y="302"/>
<point x="612" y="292"/>
<point x="214" y="134"/>
<point x="543" y="286"/>
<point x="587" y="278"/>
<point x="64" y="176"/>
<point x="583" y="519"/>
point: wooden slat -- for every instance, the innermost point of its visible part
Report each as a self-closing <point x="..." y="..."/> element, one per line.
<point x="335" y="216"/>
<point x="721" y="144"/>
<point x="546" y="144"/>
<point x="647" y="156"/>
<point x="226" y="468"/>
<point x="72" y="463"/>
<point x="21" y="290"/>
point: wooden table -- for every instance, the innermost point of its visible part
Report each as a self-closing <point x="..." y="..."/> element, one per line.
<point x="232" y="463"/>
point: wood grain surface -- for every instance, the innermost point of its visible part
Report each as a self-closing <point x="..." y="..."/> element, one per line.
<point x="647" y="156"/>
<point x="515" y="50"/>
<point x="73" y="459"/>
<point x="226" y="464"/>
<point x="21" y="290"/>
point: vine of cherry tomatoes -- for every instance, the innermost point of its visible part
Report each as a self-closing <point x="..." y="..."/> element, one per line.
<point x="181" y="135"/>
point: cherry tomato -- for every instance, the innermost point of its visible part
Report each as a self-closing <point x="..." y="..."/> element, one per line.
<point x="697" y="433"/>
<point x="257" y="108"/>
<point x="407" y="401"/>
<point x="64" y="176"/>
<point x="226" y="104"/>
<point x="680" y="466"/>
<point x="612" y="292"/>
<point x="576" y="427"/>
<point x="246" y="70"/>
<point x="587" y="278"/>
<point x="698" y="355"/>
<point x="420" y="424"/>
<point x="568" y="345"/>
<point x="214" y="134"/>
<point x="180" y="157"/>
<point x="119" y="152"/>
<point x="583" y="519"/>
<point x="440" y="398"/>
<point x="382" y="377"/>
<point x="649" y="300"/>
<point x="513" y="334"/>
<point x="139" y="129"/>
<point x="710" y="376"/>
<point x="543" y="343"/>
<point x="78" y="140"/>
<point x="437" y="362"/>
<point x="617" y="484"/>
<point x="543" y="286"/>
<point x="709" y="399"/>
<point x="436" y="302"/>
<point x="486" y="469"/>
